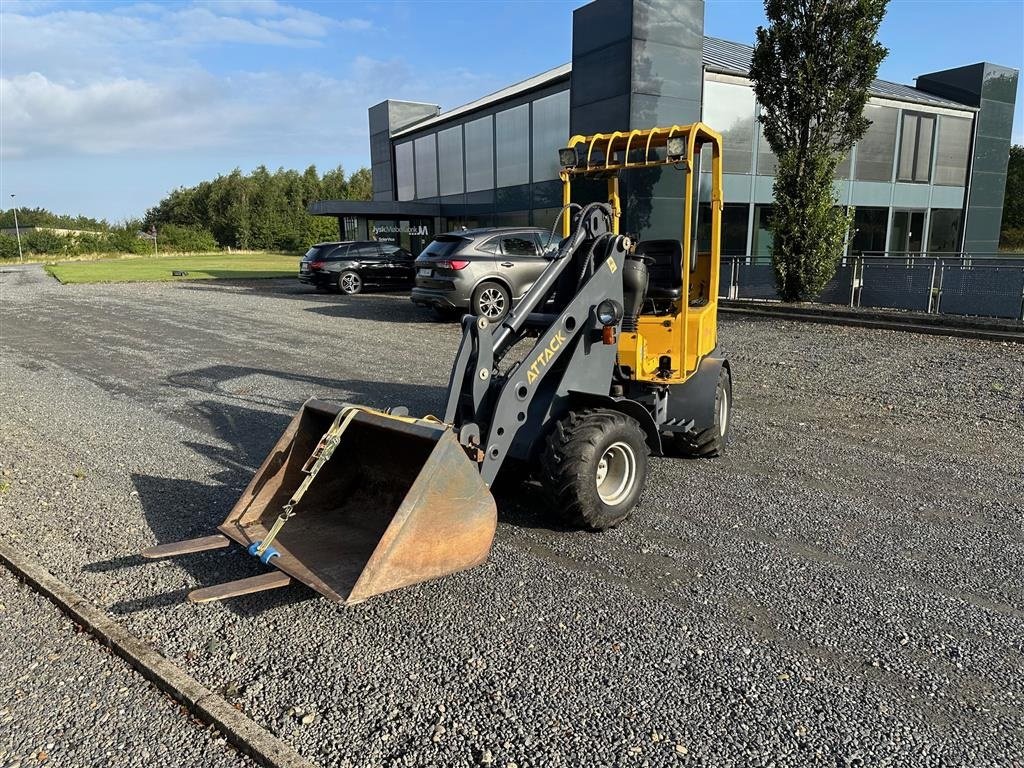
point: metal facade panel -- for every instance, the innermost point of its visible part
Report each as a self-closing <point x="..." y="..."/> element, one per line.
<point x="910" y="195"/>
<point x="874" y="194"/>
<point x="947" y="197"/>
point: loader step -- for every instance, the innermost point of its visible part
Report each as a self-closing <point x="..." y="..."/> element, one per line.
<point x="187" y="547"/>
<point x="678" y="426"/>
<point x="261" y="583"/>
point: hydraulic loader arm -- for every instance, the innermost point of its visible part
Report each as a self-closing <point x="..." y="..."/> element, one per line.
<point x="497" y="411"/>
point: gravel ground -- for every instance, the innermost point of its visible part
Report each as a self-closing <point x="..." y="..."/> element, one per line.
<point x="843" y="588"/>
<point x="65" y="700"/>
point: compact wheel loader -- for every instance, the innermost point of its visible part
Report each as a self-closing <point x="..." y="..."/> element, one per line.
<point x="621" y="363"/>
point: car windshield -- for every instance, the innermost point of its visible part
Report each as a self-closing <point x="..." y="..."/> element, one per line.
<point x="313" y="252"/>
<point x="441" y="248"/>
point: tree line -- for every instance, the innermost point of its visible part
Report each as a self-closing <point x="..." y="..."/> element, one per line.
<point x="262" y="210"/>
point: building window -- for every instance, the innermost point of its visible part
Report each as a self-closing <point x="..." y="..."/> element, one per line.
<point x="480" y="154"/>
<point x="916" y="148"/>
<point x="768" y="163"/>
<point x="512" y="219"/>
<point x="868" y="235"/>
<point x="405" y="171"/>
<point x="512" y="139"/>
<point x="907" y="232"/>
<point x="734" y="229"/>
<point x="951" y="154"/>
<point x="449" y="161"/>
<point x="729" y="109"/>
<point x="550" y="133"/>
<point x="545" y="217"/>
<point x="426" y="166"/>
<point x="876" y="149"/>
<point x="762" y="245"/>
<point x="411" y="234"/>
<point x="944" y="230"/>
<point x="459" y="223"/>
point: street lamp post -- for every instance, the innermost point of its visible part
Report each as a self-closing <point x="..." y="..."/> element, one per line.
<point x="17" y="232"/>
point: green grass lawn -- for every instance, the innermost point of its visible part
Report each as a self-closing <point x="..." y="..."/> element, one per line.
<point x="203" y="266"/>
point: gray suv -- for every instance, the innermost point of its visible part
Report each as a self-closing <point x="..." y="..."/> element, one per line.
<point x="482" y="271"/>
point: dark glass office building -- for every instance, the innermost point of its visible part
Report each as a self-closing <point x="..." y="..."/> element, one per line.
<point x="928" y="176"/>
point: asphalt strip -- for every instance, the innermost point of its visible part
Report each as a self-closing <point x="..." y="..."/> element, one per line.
<point x="245" y="735"/>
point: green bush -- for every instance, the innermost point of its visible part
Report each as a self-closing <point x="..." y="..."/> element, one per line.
<point x="173" y="237"/>
<point x="8" y="247"/>
<point x="43" y="242"/>
<point x="125" y="239"/>
<point x="98" y="242"/>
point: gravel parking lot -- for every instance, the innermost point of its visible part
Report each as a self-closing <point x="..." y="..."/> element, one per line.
<point x="66" y="701"/>
<point x="843" y="588"/>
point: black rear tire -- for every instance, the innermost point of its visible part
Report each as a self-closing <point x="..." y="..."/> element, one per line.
<point x="710" y="443"/>
<point x="595" y="466"/>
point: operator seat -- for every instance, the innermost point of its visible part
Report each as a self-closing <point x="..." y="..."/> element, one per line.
<point x="664" y="259"/>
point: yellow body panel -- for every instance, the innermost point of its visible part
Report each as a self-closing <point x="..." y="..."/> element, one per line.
<point x="690" y="331"/>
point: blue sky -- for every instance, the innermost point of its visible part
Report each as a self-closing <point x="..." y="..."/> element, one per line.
<point x="106" y="106"/>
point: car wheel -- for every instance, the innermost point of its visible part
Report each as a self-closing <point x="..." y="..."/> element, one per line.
<point x="491" y="300"/>
<point x="350" y="283"/>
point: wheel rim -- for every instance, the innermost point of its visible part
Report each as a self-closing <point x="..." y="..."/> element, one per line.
<point x="350" y="283"/>
<point x="616" y="473"/>
<point x="723" y="412"/>
<point x="492" y="302"/>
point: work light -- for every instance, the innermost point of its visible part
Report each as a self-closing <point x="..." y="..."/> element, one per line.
<point x="675" y="148"/>
<point x="609" y="312"/>
<point x="567" y="157"/>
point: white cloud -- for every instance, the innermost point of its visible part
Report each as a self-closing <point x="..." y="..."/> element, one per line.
<point x="79" y="43"/>
<point x="41" y="116"/>
<point x="95" y="91"/>
<point x="243" y="112"/>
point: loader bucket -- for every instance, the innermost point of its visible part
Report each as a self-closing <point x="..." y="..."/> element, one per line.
<point x="398" y="503"/>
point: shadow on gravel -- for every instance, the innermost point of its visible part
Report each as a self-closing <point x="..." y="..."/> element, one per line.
<point x="285" y="288"/>
<point x="389" y="306"/>
<point x="115" y="564"/>
<point x="183" y="509"/>
<point x="364" y="308"/>
<point x="226" y="381"/>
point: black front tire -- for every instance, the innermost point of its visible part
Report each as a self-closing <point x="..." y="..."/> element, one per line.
<point x="710" y="443"/>
<point x="595" y="466"/>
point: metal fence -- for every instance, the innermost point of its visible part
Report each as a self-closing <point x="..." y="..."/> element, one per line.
<point x="947" y="284"/>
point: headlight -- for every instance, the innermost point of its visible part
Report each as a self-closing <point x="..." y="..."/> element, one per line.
<point x="567" y="157"/>
<point x="675" y="148"/>
<point x="609" y="312"/>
